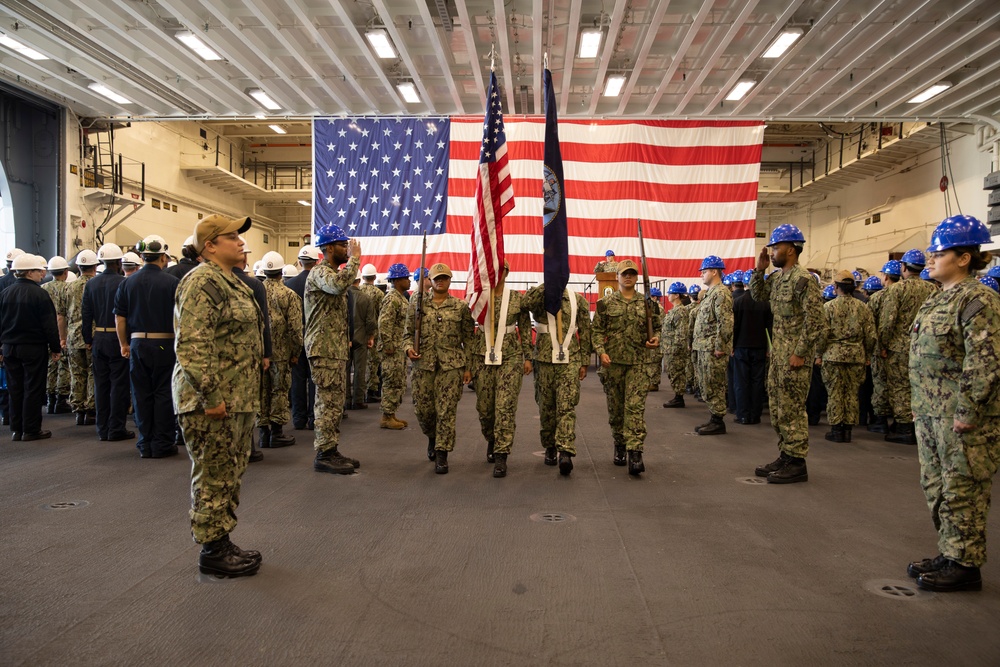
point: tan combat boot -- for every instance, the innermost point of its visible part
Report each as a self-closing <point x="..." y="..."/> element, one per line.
<point x="390" y="421"/>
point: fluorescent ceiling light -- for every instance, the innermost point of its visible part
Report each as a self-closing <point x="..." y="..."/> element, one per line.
<point x="263" y="99"/>
<point x="104" y="91"/>
<point x="192" y="41"/>
<point x="304" y="202"/>
<point x="782" y="42"/>
<point x="590" y="42"/>
<point x="379" y="39"/>
<point x="408" y="91"/>
<point x="614" y="86"/>
<point x="278" y="129"/>
<point x="26" y="51"/>
<point x="937" y="88"/>
<point x="739" y="90"/>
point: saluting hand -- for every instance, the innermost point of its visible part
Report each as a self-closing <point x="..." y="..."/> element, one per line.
<point x="354" y="248"/>
<point x="764" y="259"/>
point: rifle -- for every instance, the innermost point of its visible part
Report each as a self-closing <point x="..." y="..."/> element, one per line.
<point x="647" y="298"/>
<point x="418" y="317"/>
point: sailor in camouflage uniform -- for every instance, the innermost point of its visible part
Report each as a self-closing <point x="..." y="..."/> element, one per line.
<point x="955" y="381"/>
<point x="81" y="373"/>
<point x="799" y="329"/>
<point x="441" y="364"/>
<point x="368" y="275"/>
<point x="898" y="308"/>
<point x="608" y="264"/>
<point x="713" y="343"/>
<point x="284" y="308"/>
<point x="391" y="330"/>
<point x="879" y="423"/>
<point x="849" y="344"/>
<point x="674" y="341"/>
<point x="559" y="368"/>
<point x="327" y="342"/>
<point x="57" y="383"/>
<point x="506" y="360"/>
<point x="654" y="355"/>
<point x="216" y="389"/>
<point x="620" y="340"/>
<point x="692" y="310"/>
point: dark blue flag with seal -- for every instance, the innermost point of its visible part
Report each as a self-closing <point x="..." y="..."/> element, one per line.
<point x="554" y="243"/>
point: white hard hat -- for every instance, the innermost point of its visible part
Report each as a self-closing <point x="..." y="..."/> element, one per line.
<point x="368" y="270"/>
<point x="246" y="248"/>
<point x="28" y="262"/>
<point x="153" y="244"/>
<point x="256" y="266"/>
<point x="86" y="258"/>
<point x="272" y="261"/>
<point x="70" y="276"/>
<point x="58" y="263"/>
<point x="171" y="263"/>
<point x="289" y="271"/>
<point x="131" y="258"/>
<point x="189" y="241"/>
<point x="109" y="252"/>
<point x="13" y="254"/>
<point x="309" y="253"/>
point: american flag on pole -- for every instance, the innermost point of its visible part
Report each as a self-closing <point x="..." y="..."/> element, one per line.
<point x="693" y="184"/>
<point x="494" y="199"/>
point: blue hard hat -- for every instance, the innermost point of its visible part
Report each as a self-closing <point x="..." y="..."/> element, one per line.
<point x="727" y="279"/>
<point x="990" y="282"/>
<point x="915" y="257"/>
<point x="893" y="267"/>
<point x="926" y="274"/>
<point x="655" y="291"/>
<point x="873" y="284"/>
<point x="829" y="293"/>
<point x="677" y="288"/>
<point x="609" y="253"/>
<point x="994" y="272"/>
<point x="419" y="272"/>
<point x="694" y="289"/>
<point x="857" y="276"/>
<point x="747" y="275"/>
<point x="712" y="262"/>
<point x="958" y="230"/>
<point x="786" y="234"/>
<point x="329" y="233"/>
<point x="737" y="277"/>
<point x="398" y="271"/>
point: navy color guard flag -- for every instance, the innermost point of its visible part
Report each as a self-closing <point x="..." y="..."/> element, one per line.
<point x="556" y="246"/>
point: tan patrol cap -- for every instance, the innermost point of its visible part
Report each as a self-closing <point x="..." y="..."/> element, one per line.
<point x="627" y="265"/>
<point x="217" y="225"/>
<point x="844" y="276"/>
<point x="439" y="270"/>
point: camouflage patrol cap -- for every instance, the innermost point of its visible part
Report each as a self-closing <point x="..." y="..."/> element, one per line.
<point x="217" y="225"/>
<point x="627" y="265"/>
<point x="439" y="270"/>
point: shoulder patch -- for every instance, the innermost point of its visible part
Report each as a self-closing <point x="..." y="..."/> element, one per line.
<point x="213" y="293"/>
<point x="971" y="310"/>
<point x="801" y="285"/>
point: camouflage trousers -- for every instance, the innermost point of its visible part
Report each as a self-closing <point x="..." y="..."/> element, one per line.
<point x="374" y="361"/>
<point x="330" y="378"/>
<point x="435" y="400"/>
<point x="393" y="381"/>
<point x="692" y="365"/>
<point x="897" y="386"/>
<point x="57" y="379"/>
<point x="81" y="377"/>
<point x="880" y="400"/>
<point x="655" y="370"/>
<point x="711" y="374"/>
<point x="219" y="451"/>
<point x="497" y="390"/>
<point x="557" y="393"/>
<point x="787" y="390"/>
<point x="677" y="364"/>
<point x="275" y="383"/>
<point x="842" y="382"/>
<point x="956" y="473"/>
<point x="625" y="387"/>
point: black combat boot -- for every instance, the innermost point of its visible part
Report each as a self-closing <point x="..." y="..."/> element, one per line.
<point x="256" y="456"/>
<point x="431" y="443"/>
<point x="500" y="465"/>
<point x="278" y="438"/>
<point x="845" y="432"/>
<point x="919" y="567"/>
<point x="835" y="434"/>
<point x="565" y="463"/>
<point x="224" y="559"/>
<point x="768" y="468"/>
<point x="878" y="424"/>
<point x="327" y="462"/>
<point x="904" y="435"/>
<point x="263" y="437"/>
<point x="676" y="402"/>
<point x="90" y="418"/>
<point x="81" y="417"/>
<point x="551" y="456"/>
<point x="441" y="462"/>
<point x="335" y="453"/>
<point x="635" y="464"/>
<point x="62" y="405"/>
<point x="52" y="398"/>
<point x="716" y="426"/>
<point x="952" y="577"/>
<point x="490" y="444"/>
<point x="619" y="457"/>
<point x="794" y="470"/>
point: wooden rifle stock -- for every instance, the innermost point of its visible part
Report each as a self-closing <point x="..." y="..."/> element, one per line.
<point x="418" y="316"/>
<point x="647" y="297"/>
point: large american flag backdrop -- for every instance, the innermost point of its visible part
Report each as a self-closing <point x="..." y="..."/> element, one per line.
<point x="693" y="184"/>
